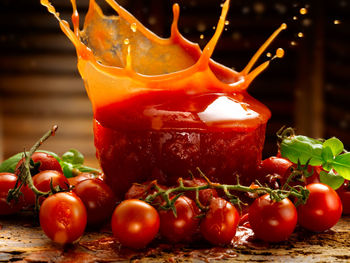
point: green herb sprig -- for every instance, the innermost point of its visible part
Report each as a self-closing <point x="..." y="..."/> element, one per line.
<point x="330" y="154"/>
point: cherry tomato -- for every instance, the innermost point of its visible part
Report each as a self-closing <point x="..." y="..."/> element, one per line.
<point x="275" y="171"/>
<point x="272" y="221"/>
<point x="7" y="182"/>
<point x="42" y="182"/>
<point x="80" y="177"/>
<point x="204" y="195"/>
<point x="135" y="223"/>
<point x="63" y="217"/>
<point x="344" y="194"/>
<point x="220" y="223"/>
<point x="182" y="227"/>
<point x="42" y="161"/>
<point x="322" y="209"/>
<point x="98" y="198"/>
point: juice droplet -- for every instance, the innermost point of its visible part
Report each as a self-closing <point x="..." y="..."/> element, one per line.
<point x="133" y="27"/>
<point x="268" y="54"/>
<point x="227" y="23"/>
<point x="126" y="41"/>
<point x="295" y="18"/>
<point x="201" y="36"/>
<point x="336" y="22"/>
<point x="300" y="34"/>
<point x="303" y="11"/>
<point x="293" y="43"/>
<point x="214" y="27"/>
<point x="280" y="53"/>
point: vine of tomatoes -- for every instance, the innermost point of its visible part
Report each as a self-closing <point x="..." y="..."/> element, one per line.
<point x="72" y="196"/>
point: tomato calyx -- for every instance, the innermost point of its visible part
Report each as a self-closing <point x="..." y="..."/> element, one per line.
<point x="170" y="195"/>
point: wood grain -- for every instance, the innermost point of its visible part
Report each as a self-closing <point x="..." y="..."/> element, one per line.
<point x="21" y="240"/>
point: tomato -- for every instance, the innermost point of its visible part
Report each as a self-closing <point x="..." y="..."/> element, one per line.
<point x="42" y="161"/>
<point x="272" y="221"/>
<point x="80" y="177"/>
<point x="275" y="171"/>
<point x="63" y="217"/>
<point x="98" y="198"/>
<point x="322" y="209"/>
<point x="7" y="182"/>
<point x="344" y="194"/>
<point x="182" y="227"/>
<point x="204" y="195"/>
<point x="42" y="182"/>
<point x="135" y="223"/>
<point x="220" y="223"/>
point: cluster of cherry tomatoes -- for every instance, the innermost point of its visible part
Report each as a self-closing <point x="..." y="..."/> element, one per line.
<point x="135" y="223"/>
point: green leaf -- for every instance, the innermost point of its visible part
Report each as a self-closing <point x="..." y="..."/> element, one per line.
<point x="335" y="144"/>
<point x="327" y="154"/>
<point x="9" y="165"/>
<point x="302" y="148"/>
<point x="86" y="169"/>
<point x="67" y="169"/>
<point x="331" y="179"/>
<point x="341" y="165"/>
<point x="73" y="156"/>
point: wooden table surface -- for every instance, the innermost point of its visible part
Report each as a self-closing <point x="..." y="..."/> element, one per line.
<point x="23" y="241"/>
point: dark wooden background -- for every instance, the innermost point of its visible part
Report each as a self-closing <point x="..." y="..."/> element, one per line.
<point x="308" y="89"/>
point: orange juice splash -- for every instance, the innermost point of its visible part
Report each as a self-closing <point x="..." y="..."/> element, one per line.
<point x="119" y="58"/>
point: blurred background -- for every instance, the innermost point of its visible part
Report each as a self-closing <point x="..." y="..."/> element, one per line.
<point x="309" y="89"/>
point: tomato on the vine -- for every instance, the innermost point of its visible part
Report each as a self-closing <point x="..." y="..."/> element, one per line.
<point x="182" y="227"/>
<point x="7" y="182"/>
<point x="204" y="195"/>
<point x="322" y="210"/>
<point x="135" y="223"/>
<point x="42" y="182"/>
<point x="73" y="181"/>
<point x="344" y="194"/>
<point x="63" y="217"/>
<point x="272" y="221"/>
<point x="220" y="223"/>
<point x="98" y="198"/>
<point x="42" y="161"/>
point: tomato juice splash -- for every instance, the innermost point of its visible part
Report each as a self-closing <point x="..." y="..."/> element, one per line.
<point x="163" y="107"/>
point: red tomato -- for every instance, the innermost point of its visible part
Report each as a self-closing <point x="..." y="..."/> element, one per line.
<point x="182" y="227"/>
<point x="204" y="195"/>
<point x="135" y="223"/>
<point x="80" y="177"/>
<point x="98" y="198"/>
<point x="7" y="182"/>
<point x="63" y="217"/>
<point x="44" y="161"/>
<point x="322" y="209"/>
<point x="272" y="221"/>
<point x="220" y="223"/>
<point x="42" y="182"/>
<point x="344" y="194"/>
<point x="276" y="165"/>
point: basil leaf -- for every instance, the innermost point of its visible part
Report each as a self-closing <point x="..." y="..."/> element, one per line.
<point x="86" y="169"/>
<point x="73" y="156"/>
<point x="341" y="165"/>
<point x="9" y="165"/>
<point x="331" y="179"/>
<point x="302" y="148"/>
<point x="327" y="156"/>
<point x="67" y="169"/>
<point x="335" y="145"/>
